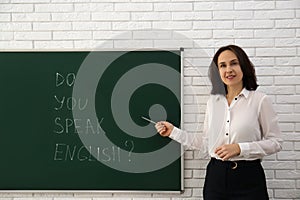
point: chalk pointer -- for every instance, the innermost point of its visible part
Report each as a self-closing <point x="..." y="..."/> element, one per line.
<point x="149" y="120"/>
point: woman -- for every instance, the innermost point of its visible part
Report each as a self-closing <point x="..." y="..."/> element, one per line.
<point x="240" y="128"/>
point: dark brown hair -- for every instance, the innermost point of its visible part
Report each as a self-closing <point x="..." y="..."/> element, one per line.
<point x="249" y="77"/>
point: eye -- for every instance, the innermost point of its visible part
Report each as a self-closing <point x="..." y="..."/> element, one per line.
<point x="222" y="65"/>
<point x="235" y="63"/>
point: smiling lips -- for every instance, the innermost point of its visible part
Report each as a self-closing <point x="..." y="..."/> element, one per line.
<point x="230" y="77"/>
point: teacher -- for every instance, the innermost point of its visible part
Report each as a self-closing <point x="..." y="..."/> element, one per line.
<point x="240" y="128"/>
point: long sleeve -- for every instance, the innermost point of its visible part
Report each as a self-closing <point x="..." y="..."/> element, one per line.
<point x="271" y="135"/>
<point x="196" y="141"/>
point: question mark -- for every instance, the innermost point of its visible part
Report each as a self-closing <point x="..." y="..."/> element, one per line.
<point x="131" y="149"/>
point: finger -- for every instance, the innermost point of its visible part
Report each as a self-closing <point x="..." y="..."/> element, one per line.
<point x="218" y="150"/>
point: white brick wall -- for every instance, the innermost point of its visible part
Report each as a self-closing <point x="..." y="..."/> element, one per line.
<point x="269" y="30"/>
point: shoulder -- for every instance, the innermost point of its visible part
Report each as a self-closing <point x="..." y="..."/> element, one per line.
<point x="258" y="95"/>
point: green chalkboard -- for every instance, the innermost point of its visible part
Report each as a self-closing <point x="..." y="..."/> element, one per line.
<point x="71" y="120"/>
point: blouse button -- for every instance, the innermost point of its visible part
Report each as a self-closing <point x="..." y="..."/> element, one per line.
<point x="227" y="134"/>
<point x="235" y="98"/>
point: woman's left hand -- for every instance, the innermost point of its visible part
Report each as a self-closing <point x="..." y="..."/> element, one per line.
<point x="227" y="151"/>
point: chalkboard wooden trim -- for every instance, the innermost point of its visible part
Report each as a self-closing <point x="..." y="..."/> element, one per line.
<point x="181" y="114"/>
<point x="92" y="50"/>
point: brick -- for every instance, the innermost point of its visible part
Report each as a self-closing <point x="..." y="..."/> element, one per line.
<point x="283" y="108"/>
<point x="53" y="44"/>
<point x="280" y="184"/>
<point x="253" y="24"/>
<point x="279" y="164"/>
<point x="173" y="25"/>
<point x="15" y="26"/>
<point x="31" y="17"/>
<point x="115" y="35"/>
<point x="215" y="24"/>
<point x="287" y="23"/>
<point x="16" y="8"/>
<point x="133" y="44"/>
<point x="111" y="16"/>
<point x="152" y="34"/>
<point x="254" y="42"/>
<point x="80" y="26"/>
<point x="188" y="99"/>
<point x="287" y="42"/>
<point x="188" y="173"/>
<point x="53" y="7"/>
<point x="264" y="80"/>
<point x="297" y="70"/>
<point x="93" y="7"/>
<point x="4" y="17"/>
<point x="213" y="6"/>
<point x="72" y="35"/>
<point x="289" y="155"/>
<point x="173" y="44"/>
<point x="173" y="7"/>
<point x="189" y="118"/>
<point x="6" y="35"/>
<point x="193" y="183"/>
<point x="51" y="26"/>
<point x="232" y="15"/>
<point x="189" y="35"/>
<point x="297" y="108"/>
<point x="70" y="16"/>
<point x="16" y="44"/>
<point x="146" y="16"/>
<point x="291" y="136"/>
<point x="273" y="14"/>
<point x="289" y="117"/>
<point x="199" y="173"/>
<point x="133" y="7"/>
<point x="269" y="174"/>
<point x="191" y="15"/>
<point x="287" y="80"/>
<point x="278" y="90"/>
<point x="201" y="81"/>
<point x="298" y="89"/>
<point x="287" y="4"/>
<point x="197" y="192"/>
<point x="271" y="33"/>
<point x="279" y="71"/>
<point x="130" y="25"/>
<point x="287" y="61"/>
<point x="30" y="1"/>
<point x="297" y="147"/>
<point x="94" y="44"/>
<point x="261" y="61"/>
<point x="32" y="36"/>
<point x="287" y="193"/>
<point x="254" y="5"/>
<point x="275" y="51"/>
<point x="287" y="174"/>
<point x="232" y="34"/>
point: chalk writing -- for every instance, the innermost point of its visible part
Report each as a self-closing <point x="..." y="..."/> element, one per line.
<point x="67" y="152"/>
<point x="68" y="79"/>
<point x="84" y="126"/>
<point x="70" y="103"/>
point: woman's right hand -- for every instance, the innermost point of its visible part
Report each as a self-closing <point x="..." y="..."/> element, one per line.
<point x="164" y="128"/>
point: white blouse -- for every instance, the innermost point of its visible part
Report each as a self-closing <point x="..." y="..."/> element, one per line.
<point x="249" y="121"/>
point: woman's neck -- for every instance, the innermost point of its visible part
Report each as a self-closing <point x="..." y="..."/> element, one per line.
<point x="234" y="91"/>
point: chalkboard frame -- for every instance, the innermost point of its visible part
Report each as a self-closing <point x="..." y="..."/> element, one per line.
<point x="126" y="192"/>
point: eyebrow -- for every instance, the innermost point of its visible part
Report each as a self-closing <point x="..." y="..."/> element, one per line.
<point x="230" y="61"/>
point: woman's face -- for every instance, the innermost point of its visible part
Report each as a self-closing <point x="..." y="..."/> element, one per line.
<point x="230" y="69"/>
